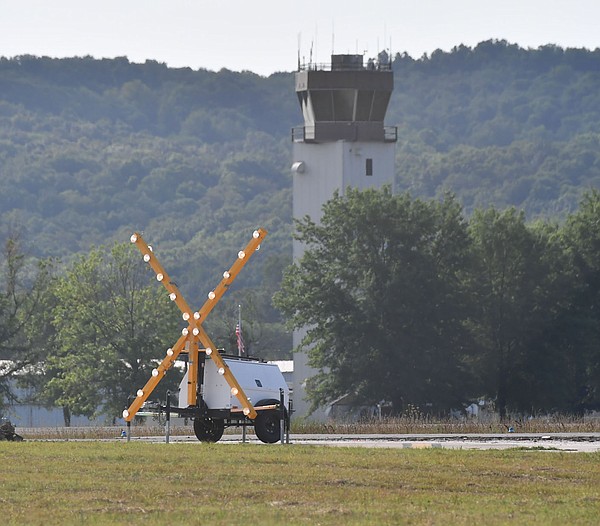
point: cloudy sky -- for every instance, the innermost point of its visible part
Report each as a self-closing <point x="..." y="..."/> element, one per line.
<point x="265" y="36"/>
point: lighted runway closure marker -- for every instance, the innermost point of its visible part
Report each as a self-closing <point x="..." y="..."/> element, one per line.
<point x="194" y="333"/>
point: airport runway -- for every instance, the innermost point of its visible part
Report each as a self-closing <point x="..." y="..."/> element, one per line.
<point x="567" y="442"/>
<point x="579" y="443"/>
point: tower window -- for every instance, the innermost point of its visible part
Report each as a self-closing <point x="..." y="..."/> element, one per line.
<point x="369" y="166"/>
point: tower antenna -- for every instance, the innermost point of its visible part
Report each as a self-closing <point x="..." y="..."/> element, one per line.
<point x="332" y="37"/>
<point x="384" y="34"/>
<point x="316" y="43"/>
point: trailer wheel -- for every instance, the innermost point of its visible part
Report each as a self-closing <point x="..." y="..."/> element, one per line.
<point x="267" y="426"/>
<point x="208" y="429"/>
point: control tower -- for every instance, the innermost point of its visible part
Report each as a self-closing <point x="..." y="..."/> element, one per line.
<point x="343" y="143"/>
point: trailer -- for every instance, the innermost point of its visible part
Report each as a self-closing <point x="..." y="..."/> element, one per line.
<point x="264" y="386"/>
<point x="217" y="390"/>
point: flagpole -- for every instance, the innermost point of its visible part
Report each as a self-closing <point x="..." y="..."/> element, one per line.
<point x="240" y="327"/>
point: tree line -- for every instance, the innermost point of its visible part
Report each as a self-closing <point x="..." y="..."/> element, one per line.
<point x="413" y="302"/>
<point x="406" y="300"/>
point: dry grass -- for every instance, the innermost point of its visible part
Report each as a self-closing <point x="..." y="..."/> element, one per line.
<point x="222" y="484"/>
<point x="427" y="425"/>
<point x="97" y="433"/>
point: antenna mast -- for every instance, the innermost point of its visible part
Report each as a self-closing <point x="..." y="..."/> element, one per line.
<point x="332" y="37"/>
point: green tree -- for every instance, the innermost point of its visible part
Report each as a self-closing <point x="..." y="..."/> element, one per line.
<point x="582" y="241"/>
<point x="22" y="298"/>
<point x="379" y="291"/>
<point x="111" y="327"/>
<point x="514" y="287"/>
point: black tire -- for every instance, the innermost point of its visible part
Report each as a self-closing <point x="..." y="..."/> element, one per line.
<point x="208" y="429"/>
<point x="267" y="426"/>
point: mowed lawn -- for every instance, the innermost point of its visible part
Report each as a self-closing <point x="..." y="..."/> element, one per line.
<point x="141" y="483"/>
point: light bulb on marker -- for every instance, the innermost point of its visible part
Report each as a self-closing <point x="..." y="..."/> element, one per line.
<point x="169" y="352"/>
<point x="146" y="257"/>
<point x="185" y="332"/>
<point x="221" y="371"/>
<point x="211" y="295"/>
<point x="195" y="331"/>
<point x="234" y="391"/>
<point x="140" y="392"/>
<point x="246" y="411"/>
<point x="150" y="248"/>
<point x="159" y="277"/>
<point x="155" y="372"/>
<point x="125" y="412"/>
<point x="186" y="316"/>
<point x="255" y="234"/>
<point x="196" y="315"/>
<point x="226" y="275"/>
<point x="172" y="296"/>
<point x="208" y="351"/>
<point x="133" y="239"/>
<point x="241" y="254"/>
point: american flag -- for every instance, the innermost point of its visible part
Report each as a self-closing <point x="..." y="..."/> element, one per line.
<point x="240" y="341"/>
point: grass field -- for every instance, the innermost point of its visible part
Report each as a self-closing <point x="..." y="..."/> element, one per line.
<point x="226" y="484"/>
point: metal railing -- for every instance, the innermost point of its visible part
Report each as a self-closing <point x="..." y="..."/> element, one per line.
<point x="304" y="133"/>
<point x="324" y="66"/>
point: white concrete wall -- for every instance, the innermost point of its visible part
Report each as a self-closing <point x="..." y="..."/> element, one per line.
<point x="329" y="167"/>
<point x="27" y="414"/>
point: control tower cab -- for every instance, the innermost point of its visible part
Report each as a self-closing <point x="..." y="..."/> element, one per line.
<point x="347" y="101"/>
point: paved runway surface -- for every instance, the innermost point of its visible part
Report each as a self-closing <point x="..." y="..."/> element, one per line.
<point x="571" y="442"/>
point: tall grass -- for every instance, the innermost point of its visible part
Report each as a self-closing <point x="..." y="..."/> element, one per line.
<point x="98" y="432"/>
<point x="422" y="424"/>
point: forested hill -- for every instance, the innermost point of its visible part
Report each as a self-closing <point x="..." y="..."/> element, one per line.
<point x="93" y="149"/>
<point x="500" y="125"/>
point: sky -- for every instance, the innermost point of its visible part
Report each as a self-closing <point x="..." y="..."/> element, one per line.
<point x="266" y="36"/>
